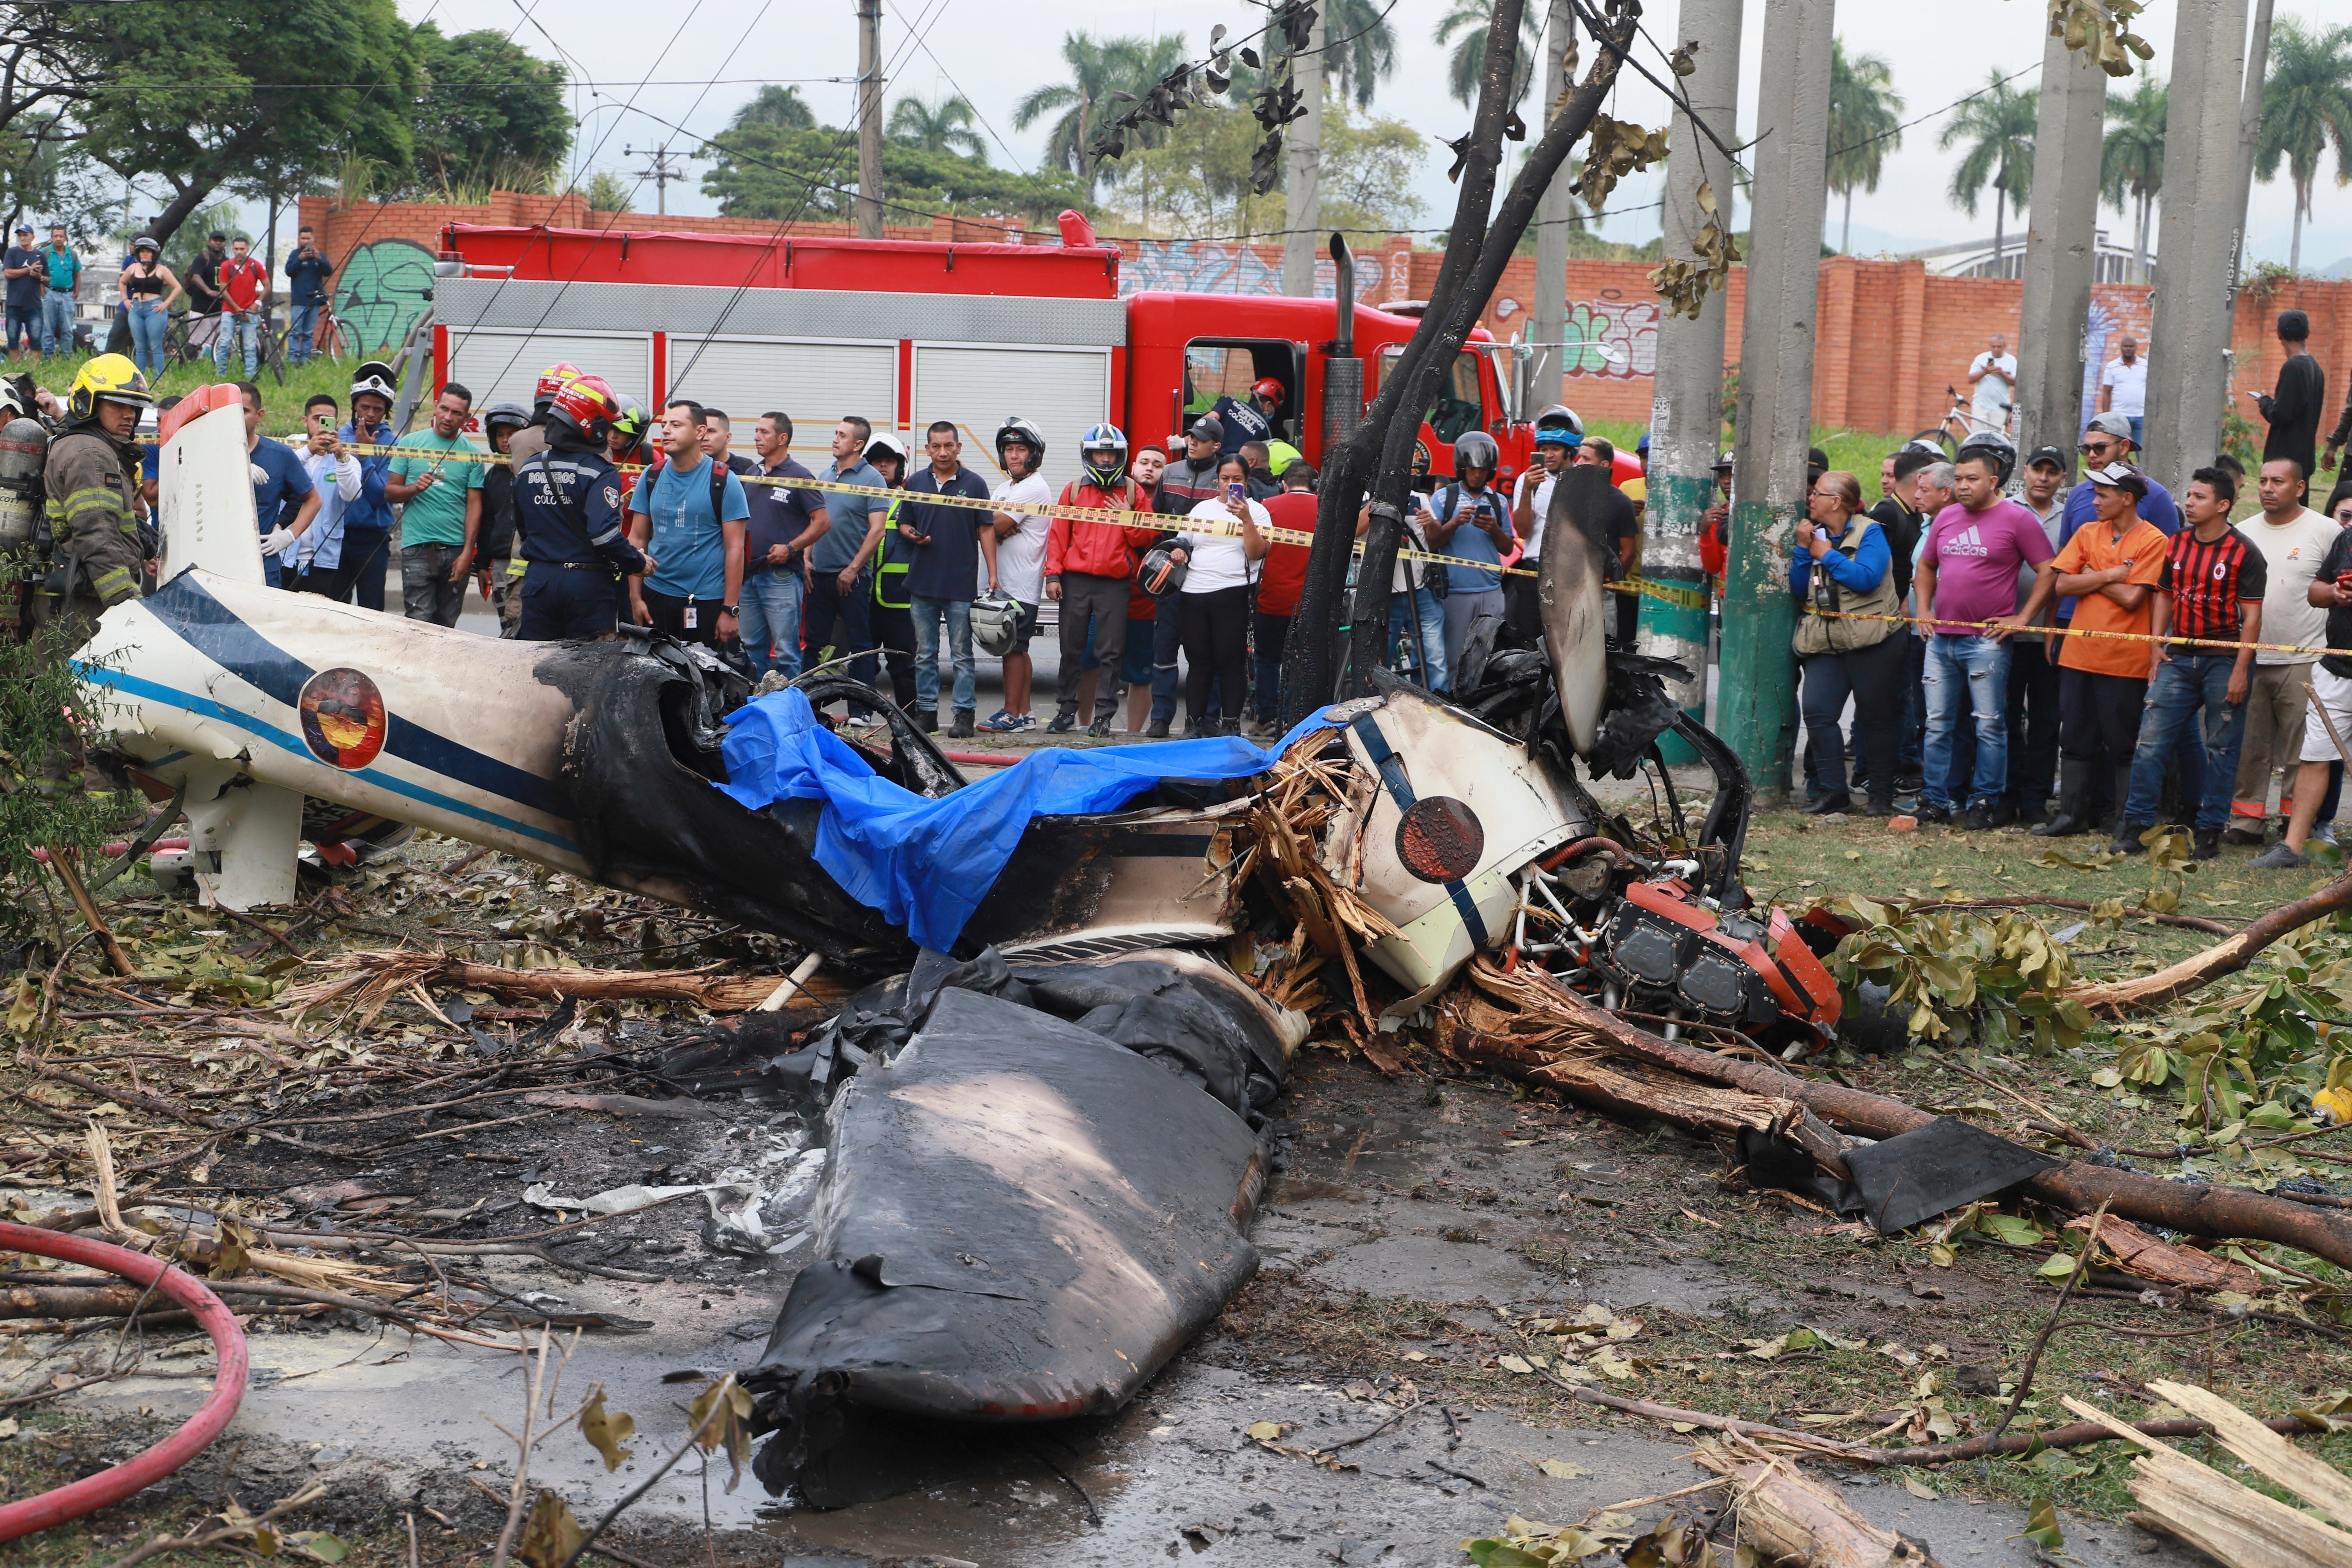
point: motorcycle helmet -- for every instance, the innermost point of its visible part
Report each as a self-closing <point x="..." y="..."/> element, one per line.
<point x="630" y="421"/>
<point x="1476" y="450"/>
<point x="1017" y="430"/>
<point x="996" y="618"/>
<point x="1102" y="438"/>
<point x="1161" y="575"/>
<point x="1994" y="446"/>
<point x="1560" y="417"/>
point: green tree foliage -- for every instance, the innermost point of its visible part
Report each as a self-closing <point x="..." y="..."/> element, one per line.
<point x="2131" y="160"/>
<point x="487" y="107"/>
<point x="1098" y="69"/>
<point x="942" y="127"/>
<point x="1866" y="119"/>
<point x="1361" y="49"/>
<point x="1195" y="184"/>
<point x="1996" y="129"/>
<point x="204" y="92"/>
<point x="765" y="173"/>
<point x="2306" y="107"/>
<point x="1466" y="27"/>
<point x="45" y="721"/>
<point x="776" y="108"/>
<point x="606" y="192"/>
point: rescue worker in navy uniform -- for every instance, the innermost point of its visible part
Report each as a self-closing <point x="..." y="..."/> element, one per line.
<point x="1250" y="421"/>
<point x="569" y="511"/>
<point x="93" y="480"/>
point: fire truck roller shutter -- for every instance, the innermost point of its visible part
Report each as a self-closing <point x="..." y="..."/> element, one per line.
<point x="1060" y="391"/>
<point x="501" y="365"/>
<point x="815" y="382"/>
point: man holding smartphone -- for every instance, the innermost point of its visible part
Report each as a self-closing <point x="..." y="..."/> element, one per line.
<point x="950" y="545"/>
<point x="306" y="271"/>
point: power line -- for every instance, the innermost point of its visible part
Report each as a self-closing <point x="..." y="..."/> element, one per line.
<point x="1899" y="130"/>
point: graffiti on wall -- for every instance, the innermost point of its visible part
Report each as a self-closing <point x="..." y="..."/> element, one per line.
<point x="381" y="291"/>
<point x="1613" y="338"/>
<point x="1201" y="266"/>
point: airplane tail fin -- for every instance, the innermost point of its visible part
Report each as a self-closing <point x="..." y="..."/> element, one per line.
<point x="204" y="488"/>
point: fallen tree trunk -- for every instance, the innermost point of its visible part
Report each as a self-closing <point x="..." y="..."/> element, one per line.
<point x="2221" y="1212"/>
<point x="368" y="980"/>
<point x="2226" y="957"/>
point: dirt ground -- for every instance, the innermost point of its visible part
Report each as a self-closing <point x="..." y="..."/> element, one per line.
<point x="1421" y="1230"/>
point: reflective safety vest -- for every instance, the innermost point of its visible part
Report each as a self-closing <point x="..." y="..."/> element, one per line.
<point x="890" y="569"/>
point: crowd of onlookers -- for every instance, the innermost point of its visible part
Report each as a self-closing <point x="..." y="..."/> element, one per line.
<point x="2030" y="671"/>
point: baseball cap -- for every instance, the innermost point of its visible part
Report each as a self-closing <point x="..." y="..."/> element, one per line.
<point x="1207" y="428"/>
<point x="24" y="228"/>
<point x="2122" y="477"/>
<point x="2111" y="424"/>
<point x="2049" y="455"/>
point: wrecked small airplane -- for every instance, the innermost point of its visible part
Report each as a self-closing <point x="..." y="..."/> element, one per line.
<point x="1046" y="1112"/>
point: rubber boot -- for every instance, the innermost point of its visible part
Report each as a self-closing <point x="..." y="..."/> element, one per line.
<point x="2119" y="784"/>
<point x="2073" y="792"/>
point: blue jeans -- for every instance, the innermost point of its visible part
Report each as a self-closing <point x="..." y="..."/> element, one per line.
<point x="57" y="322"/>
<point x="301" y="323"/>
<point x="2184" y="684"/>
<point x="927" y="614"/>
<point x="148" y="320"/>
<point x="24" y="327"/>
<point x="1404" y="653"/>
<point x="771" y="614"/>
<point x="2139" y="429"/>
<point x="1979" y="667"/>
<point x="235" y="325"/>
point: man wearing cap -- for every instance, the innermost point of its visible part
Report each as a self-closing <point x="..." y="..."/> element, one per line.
<point x="23" y="271"/>
<point x="2293" y="407"/>
<point x="2293" y="542"/>
<point x="2111" y="568"/>
<point x="2108" y="440"/>
<point x="1185" y="483"/>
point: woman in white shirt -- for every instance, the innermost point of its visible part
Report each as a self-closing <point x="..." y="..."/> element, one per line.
<point x="1214" y="603"/>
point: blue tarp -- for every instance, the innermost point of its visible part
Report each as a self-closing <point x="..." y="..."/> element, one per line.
<point x="926" y="864"/>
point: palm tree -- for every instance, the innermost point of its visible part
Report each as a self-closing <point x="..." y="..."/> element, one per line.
<point x="1864" y="126"/>
<point x="1471" y="20"/>
<point x="1361" y="50"/>
<point x="1098" y="69"/>
<point x="2131" y="162"/>
<point x="775" y="107"/>
<point x="941" y="127"/>
<point x="2306" y="105"/>
<point x="1998" y="126"/>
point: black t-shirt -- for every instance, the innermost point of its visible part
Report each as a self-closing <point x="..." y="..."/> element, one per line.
<point x="1902" y="526"/>
<point x="497" y="513"/>
<point x="2339" y="616"/>
<point x="1617" y="516"/>
<point x="204" y="281"/>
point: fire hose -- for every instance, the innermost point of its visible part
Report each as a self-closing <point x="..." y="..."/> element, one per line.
<point x="93" y="1492"/>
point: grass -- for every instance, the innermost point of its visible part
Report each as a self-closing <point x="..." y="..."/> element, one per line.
<point x="282" y="405"/>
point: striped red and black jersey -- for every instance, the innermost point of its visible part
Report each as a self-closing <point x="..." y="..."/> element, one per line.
<point x="2208" y="581"/>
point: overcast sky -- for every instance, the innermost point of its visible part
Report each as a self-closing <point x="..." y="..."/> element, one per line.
<point x="994" y="53"/>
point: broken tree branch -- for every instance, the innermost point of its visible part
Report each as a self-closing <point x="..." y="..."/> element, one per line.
<point x="2050" y="1324"/>
<point x="2227" y="957"/>
<point x="61" y="862"/>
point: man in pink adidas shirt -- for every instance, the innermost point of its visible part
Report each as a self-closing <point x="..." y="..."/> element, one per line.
<point x="1967" y="575"/>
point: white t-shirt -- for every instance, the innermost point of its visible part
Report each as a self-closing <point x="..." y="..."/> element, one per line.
<point x="2292" y="556"/>
<point x="2130" y="384"/>
<point x="1993" y="395"/>
<point x="1532" y="551"/>
<point x="1218" y="560"/>
<point x="1021" y="554"/>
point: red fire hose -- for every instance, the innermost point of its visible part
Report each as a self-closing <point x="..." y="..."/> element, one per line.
<point x="94" y="1492"/>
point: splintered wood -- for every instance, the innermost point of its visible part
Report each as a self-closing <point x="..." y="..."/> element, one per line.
<point x="1787" y="1517"/>
<point x="363" y="983"/>
<point x="2236" y="1525"/>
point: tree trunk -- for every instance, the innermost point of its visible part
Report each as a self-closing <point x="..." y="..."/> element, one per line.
<point x="2000" y="199"/>
<point x="1845" y="229"/>
<point x="2139" y="238"/>
<point x="2295" y="245"/>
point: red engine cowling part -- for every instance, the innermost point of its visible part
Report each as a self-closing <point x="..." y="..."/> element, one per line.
<point x="1799" y="984"/>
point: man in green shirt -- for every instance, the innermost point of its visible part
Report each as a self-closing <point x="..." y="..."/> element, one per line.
<point x="439" y="493"/>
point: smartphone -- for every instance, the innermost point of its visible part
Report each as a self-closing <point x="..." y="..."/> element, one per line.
<point x="1235" y="492"/>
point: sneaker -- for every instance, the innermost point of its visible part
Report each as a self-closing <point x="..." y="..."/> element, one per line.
<point x="2209" y="845"/>
<point x="964" y="725"/>
<point x="1910" y="782"/>
<point x="1932" y="815"/>
<point x="998" y="720"/>
<point x="1100" y="729"/>
<point x="2324" y="833"/>
<point x="2278" y="858"/>
<point x="1061" y="724"/>
<point x="1979" y="816"/>
<point x="1017" y="721"/>
<point x="1157" y="729"/>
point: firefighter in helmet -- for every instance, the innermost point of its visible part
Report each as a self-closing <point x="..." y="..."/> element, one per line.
<point x="94" y="552"/>
<point x="569" y="512"/>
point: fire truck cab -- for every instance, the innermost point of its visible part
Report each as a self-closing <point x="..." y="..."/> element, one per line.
<point x="908" y="332"/>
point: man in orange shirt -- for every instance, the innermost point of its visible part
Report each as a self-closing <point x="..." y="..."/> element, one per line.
<point x="2111" y="567"/>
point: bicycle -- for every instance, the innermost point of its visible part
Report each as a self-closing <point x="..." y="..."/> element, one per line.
<point x="1960" y="422"/>
<point x="327" y="339"/>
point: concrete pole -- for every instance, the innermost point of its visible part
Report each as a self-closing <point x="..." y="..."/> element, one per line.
<point x="869" y="119"/>
<point x="2060" y="248"/>
<point x="1686" y="399"/>
<point x="2204" y="182"/>
<point x="1756" y="707"/>
<point x="2250" y="128"/>
<point x="1548" y="319"/>
<point x="1303" y="180"/>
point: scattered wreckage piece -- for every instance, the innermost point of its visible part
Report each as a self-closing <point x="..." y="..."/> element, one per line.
<point x="1039" y="1182"/>
<point x="2236" y="1525"/>
<point x="1786" y="1516"/>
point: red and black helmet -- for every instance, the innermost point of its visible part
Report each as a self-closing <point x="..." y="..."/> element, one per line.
<point x="551" y="378"/>
<point x="585" y="404"/>
<point x="1269" y="391"/>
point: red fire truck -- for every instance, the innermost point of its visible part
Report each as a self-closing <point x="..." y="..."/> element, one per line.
<point x="905" y="332"/>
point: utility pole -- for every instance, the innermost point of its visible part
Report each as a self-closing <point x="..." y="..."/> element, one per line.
<point x="661" y="174"/>
<point x="2249" y="131"/>
<point x="1687" y="400"/>
<point x="1303" y="179"/>
<point x="869" y="119"/>
<point x="2060" y="240"/>
<point x="1549" y="324"/>
<point x="1756" y="710"/>
<point x="2204" y="184"/>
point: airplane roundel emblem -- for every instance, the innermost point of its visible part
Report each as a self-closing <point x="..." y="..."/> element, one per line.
<point x="343" y="718"/>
